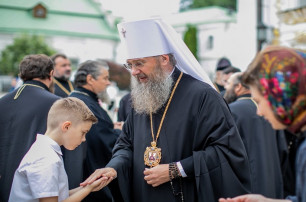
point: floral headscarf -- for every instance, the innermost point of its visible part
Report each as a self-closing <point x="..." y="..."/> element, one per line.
<point x="283" y="83"/>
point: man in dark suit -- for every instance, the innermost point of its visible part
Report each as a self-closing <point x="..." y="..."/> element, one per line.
<point x="23" y="115"/>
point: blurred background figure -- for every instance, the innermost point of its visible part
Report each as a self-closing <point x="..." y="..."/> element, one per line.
<point x="226" y="74"/>
<point x="62" y="72"/>
<point x="266" y="148"/>
<point x="222" y="64"/>
<point x="125" y="107"/>
<point x="13" y="84"/>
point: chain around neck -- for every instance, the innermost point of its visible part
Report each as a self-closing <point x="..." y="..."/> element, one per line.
<point x="166" y="109"/>
<point x="62" y="87"/>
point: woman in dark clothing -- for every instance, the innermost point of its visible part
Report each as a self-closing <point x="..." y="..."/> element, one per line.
<point x="277" y="77"/>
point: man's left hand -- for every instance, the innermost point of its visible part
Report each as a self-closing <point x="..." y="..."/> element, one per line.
<point x="157" y="175"/>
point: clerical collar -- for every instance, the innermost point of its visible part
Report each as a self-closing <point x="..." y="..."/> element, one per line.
<point x="61" y="79"/>
<point x="32" y="83"/>
<point x="85" y="91"/>
<point x="38" y="83"/>
<point x="244" y="96"/>
<point x="247" y="97"/>
<point x="175" y="73"/>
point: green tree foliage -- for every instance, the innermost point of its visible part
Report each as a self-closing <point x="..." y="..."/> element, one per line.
<point x="187" y="4"/>
<point x="23" y="45"/>
<point x="190" y="38"/>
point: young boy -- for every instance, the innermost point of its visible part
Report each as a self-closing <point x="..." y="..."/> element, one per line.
<point x="41" y="175"/>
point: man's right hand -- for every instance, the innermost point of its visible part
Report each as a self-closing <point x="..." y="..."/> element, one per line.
<point x="108" y="173"/>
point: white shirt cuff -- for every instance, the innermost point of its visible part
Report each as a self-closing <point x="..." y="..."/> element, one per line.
<point x="180" y="167"/>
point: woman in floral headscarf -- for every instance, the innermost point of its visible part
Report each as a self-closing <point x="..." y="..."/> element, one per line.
<point x="277" y="78"/>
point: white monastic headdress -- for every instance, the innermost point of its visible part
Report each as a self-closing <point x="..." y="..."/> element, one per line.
<point x="151" y="37"/>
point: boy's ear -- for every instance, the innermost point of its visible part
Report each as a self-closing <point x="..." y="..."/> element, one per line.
<point x="66" y="125"/>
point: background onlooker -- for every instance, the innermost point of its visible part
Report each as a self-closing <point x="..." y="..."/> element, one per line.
<point x="222" y="64"/>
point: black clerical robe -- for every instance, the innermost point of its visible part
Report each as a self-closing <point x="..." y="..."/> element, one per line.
<point x="96" y="151"/>
<point x="266" y="148"/>
<point x="125" y="107"/>
<point x="62" y="87"/>
<point x="198" y="131"/>
<point x="21" y="119"/>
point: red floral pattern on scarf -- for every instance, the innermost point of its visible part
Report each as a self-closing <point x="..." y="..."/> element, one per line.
<point x="283" y="84"/>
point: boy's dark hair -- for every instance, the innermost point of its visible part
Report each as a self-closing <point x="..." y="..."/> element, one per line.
<point x="35" y="66"/>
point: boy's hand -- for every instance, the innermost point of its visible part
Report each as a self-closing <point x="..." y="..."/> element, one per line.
<point x="106" y="173"/>
<point x="99" y="184"/>
<point x="248" y="198"/>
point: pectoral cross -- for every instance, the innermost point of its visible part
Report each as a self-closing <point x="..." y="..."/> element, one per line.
<point x="123" y="32"/>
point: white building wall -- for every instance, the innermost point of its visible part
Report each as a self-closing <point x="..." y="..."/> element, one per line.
<point x="5" y="40"/>
<point x="236" y="41"/>
<point x="84" y="48"/>
<point x="244" y="42"/>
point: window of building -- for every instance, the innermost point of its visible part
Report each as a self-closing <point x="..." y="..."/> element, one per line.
<point x="210" y="42"/>
<point x="39" y="11"/>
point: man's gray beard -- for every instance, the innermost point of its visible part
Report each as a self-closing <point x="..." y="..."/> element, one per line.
<point x="151" y="96"/>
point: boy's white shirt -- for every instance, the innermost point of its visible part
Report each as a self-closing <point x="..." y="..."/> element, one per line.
<point x="41" y="173"/>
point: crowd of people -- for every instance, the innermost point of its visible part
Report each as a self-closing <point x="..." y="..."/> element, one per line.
<point x="179" y="136"/>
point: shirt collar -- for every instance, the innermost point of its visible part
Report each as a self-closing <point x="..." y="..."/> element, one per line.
<point x="50" y="142"/>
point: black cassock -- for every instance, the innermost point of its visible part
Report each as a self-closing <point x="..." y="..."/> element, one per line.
<point x="20" y="120"/>
<point x="59" y="91"/>
<point x="96" y="151"/>
<point x="266" y="148"/>
<point x="198" y="131"/>
<point x="125" y="107"/>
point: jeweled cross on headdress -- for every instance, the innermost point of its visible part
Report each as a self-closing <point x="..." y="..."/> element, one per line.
<point x="123" y="31"/>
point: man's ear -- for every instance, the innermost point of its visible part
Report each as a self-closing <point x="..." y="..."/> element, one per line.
<point x="51" y="73"/>
<point x="89" y="79"/>
<point x="164" y="59"/>
<point x="238" y="89"/>
<point x="66" y="125"/>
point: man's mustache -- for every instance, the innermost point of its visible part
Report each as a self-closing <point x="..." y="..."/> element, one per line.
<point x="68" y="72"/>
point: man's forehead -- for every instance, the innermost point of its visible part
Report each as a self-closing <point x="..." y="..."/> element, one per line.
<point x="139" y="59"/>
<point x="61" y="60"/>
